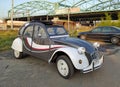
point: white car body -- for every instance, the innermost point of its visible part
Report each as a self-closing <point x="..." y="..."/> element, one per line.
<point x="67" y="52"/>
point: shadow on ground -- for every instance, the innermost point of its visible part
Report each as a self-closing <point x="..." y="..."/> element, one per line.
<point x="109" y="49"/>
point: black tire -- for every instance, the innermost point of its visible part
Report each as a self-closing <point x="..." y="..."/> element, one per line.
<point x="83" y="37"/>
<point x="115" y="40"/>
<point x="17" y="54"/>
<point x="65" y="66"/>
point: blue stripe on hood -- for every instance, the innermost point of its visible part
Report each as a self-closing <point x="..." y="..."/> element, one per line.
<point x="75" y="42"/>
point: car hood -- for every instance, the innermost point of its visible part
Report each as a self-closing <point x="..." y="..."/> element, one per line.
<point x="76" y="43"/>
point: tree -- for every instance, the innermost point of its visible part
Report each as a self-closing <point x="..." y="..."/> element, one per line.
<point x="107" y="21"/>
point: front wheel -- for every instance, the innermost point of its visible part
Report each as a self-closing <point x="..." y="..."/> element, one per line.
<point x="64" y="66"/>
<point x="115" y="40"/>
<point x="17" y="54"/>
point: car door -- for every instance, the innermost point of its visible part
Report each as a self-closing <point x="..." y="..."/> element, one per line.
<point x="95" y="33"/>
<point x="107" y="32"/>
<point x="27" y="38"/>
<point x="40" y="46"/>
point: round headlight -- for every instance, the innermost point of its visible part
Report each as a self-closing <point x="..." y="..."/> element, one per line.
<point x="81" y="50"/>
<point x="96" y="44"/>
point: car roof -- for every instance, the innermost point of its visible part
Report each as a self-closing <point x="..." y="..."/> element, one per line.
<point x="46" y="23"/>
<point x="43" y="22"/>
<point x="109" y="26"/>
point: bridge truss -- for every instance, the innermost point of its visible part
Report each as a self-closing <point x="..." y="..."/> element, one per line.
<point x="45" y="7"/>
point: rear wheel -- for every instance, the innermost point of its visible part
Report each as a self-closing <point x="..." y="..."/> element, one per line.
<point x="115" y="40"/>
<point x="64" y="66"/>
<point x="17" y="54"/>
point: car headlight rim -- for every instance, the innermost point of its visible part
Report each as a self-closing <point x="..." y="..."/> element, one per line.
<point x="96" y="44"/>
<point x="81" y="50"/>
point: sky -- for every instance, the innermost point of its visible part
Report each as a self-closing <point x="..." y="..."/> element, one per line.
<point x="6" y="5"/>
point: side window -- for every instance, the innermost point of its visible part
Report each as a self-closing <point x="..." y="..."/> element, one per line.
<point x="60" y="31"/>
<point x="21" y="30"/>
<point x="107" y="30"/>
<point x="51" y="31"/>
<point x="114" y="30"/>
<point x="40" y="36"/>
<point x="29" y="31"/>
<point x="56" y="31"/>
<point x="97" y="30"/>
<point x="42" y="33"/>
<point x="39" y="32"/>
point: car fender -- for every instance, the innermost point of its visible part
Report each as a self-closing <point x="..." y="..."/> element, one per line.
<point x="17" y="45"/>
<point x="74" y="56"/>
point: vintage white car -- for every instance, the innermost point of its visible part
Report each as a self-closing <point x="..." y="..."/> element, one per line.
<point x="53" y="44"/>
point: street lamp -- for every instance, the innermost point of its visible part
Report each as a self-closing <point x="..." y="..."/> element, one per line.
<point x="12" y="11"/>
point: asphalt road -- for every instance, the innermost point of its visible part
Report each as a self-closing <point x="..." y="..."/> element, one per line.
<point x="34" y="72"/>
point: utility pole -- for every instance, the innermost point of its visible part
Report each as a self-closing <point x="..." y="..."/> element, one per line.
<point x="28" y="15"/>
<point x="69" y="19"/>
<point x="12" y="12"/>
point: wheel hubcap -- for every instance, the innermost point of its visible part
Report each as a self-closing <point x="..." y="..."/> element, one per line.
<point x="62" y="67"/>
<point x="115" y="40"/>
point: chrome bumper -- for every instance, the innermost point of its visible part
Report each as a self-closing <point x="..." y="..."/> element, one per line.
<point x="96" y="64"/>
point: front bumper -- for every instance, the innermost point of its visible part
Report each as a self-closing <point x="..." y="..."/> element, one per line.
<point x="96" y="64"/>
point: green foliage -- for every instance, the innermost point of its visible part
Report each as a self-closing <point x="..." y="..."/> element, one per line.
<point x="118" y="23"/>
<point x="109" y="22"/>
<point x="108" y="17"/>
<point x="6" y="39"/>
<point x="73" y="33"/>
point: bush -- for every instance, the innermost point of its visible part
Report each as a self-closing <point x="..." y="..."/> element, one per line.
<point x="109" y="22"/>
<point x="6" y="39"/>
<point x="73" y="33"/>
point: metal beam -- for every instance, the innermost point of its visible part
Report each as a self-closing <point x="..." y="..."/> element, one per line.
<point x="44" y="7"/>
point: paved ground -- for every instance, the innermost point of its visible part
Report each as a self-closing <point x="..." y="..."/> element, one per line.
<point x="33" y="72"/>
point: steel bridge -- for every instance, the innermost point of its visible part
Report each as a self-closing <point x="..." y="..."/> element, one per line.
<point x="46" y="8"/>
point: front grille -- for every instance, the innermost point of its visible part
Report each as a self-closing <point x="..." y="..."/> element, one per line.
<point x="92" y="56"/>
<point x="95" y="55"/>
<point x="88" y="57"/>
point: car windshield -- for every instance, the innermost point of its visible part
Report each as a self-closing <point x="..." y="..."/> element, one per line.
<point x="56" y="30"/>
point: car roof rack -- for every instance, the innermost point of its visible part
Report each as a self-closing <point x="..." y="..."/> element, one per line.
<point x="44" y="22"/>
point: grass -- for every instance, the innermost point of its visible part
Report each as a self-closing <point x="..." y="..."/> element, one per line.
<point x="6" y="39"/>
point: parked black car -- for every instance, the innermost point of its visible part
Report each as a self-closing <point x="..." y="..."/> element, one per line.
<point x="104" y="33"/>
